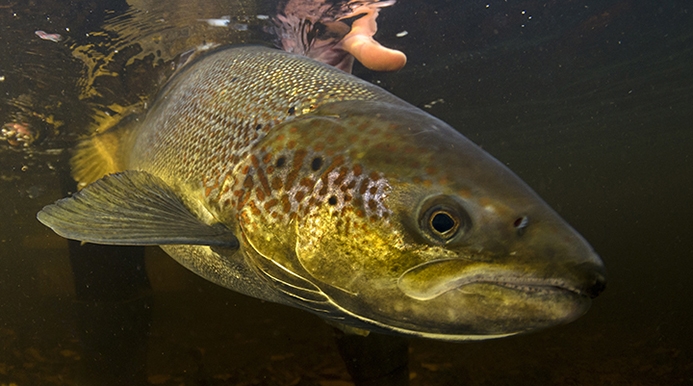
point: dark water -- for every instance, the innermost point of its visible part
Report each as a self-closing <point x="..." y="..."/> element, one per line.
<point x="590" y="102"/>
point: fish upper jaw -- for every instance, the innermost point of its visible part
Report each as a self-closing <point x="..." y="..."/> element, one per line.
<point x="434" y="278"/>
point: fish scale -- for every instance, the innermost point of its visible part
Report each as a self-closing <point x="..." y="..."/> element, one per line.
<point x="222" y="109"/>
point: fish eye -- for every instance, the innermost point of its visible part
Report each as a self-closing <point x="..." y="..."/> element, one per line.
<point x="443" y="220"/>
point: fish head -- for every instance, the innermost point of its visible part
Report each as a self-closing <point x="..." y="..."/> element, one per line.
<point x="406" y="226"/>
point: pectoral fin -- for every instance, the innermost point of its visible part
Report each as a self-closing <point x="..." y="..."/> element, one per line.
<point x="131" y="208"/>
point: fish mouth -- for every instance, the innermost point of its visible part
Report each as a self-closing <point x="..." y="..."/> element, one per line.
<point x="434" y="278"/>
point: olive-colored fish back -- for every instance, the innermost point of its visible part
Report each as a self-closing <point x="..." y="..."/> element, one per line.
<point x="211" y="115"/>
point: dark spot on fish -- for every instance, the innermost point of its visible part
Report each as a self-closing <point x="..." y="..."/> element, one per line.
<point x="258" y="127"/>
<point x="281" y="161"/>
<point x="316" y="164"/>
<point x="332" y="200"/>
<point x="291" y="110"/>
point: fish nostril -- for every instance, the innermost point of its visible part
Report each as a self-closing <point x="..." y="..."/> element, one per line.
<point x="597" y="287"/>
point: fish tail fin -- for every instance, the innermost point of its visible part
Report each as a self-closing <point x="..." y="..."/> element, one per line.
<point x="103" y="153"/>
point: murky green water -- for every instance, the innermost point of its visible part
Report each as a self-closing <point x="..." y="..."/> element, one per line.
<point x="590" y="102"/>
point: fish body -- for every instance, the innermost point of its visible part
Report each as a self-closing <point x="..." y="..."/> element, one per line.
<point x="291" y="181"/>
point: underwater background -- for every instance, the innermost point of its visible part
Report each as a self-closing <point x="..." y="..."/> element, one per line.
<point x="590" y="102"/>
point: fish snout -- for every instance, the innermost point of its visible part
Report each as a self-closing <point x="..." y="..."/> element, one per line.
<point x="594" y="279"/>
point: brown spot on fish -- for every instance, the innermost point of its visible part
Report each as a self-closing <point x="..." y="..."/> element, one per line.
<point x="248" y="183"/>
<point x="363" y="187"/>
<point x="276" y="183"/>
<point x="296" y="167"/>
<point x="263" y="182"/>
<point x="260" y="194"/>
<point x="242" y="202"/>
<point x="464" y="193"/>
<point x="267" y="158"/>
<point x="341" y="176"/>
<point x="271" y="203"/>
<point x="323" y="189"/>
<point x="307" y="182"/>
<point x="253" y="208"/>
<point x="286" y="204"/>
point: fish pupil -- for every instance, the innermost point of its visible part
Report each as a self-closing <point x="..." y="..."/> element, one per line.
<point x="316" y="164"/>
<point x="443" y="223"/>
<point x="332" y="200"/>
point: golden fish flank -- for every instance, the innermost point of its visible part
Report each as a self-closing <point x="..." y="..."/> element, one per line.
<point x="288" y="180"/>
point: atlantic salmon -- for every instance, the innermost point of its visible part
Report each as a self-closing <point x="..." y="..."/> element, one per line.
<point x="291" y="181"/>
